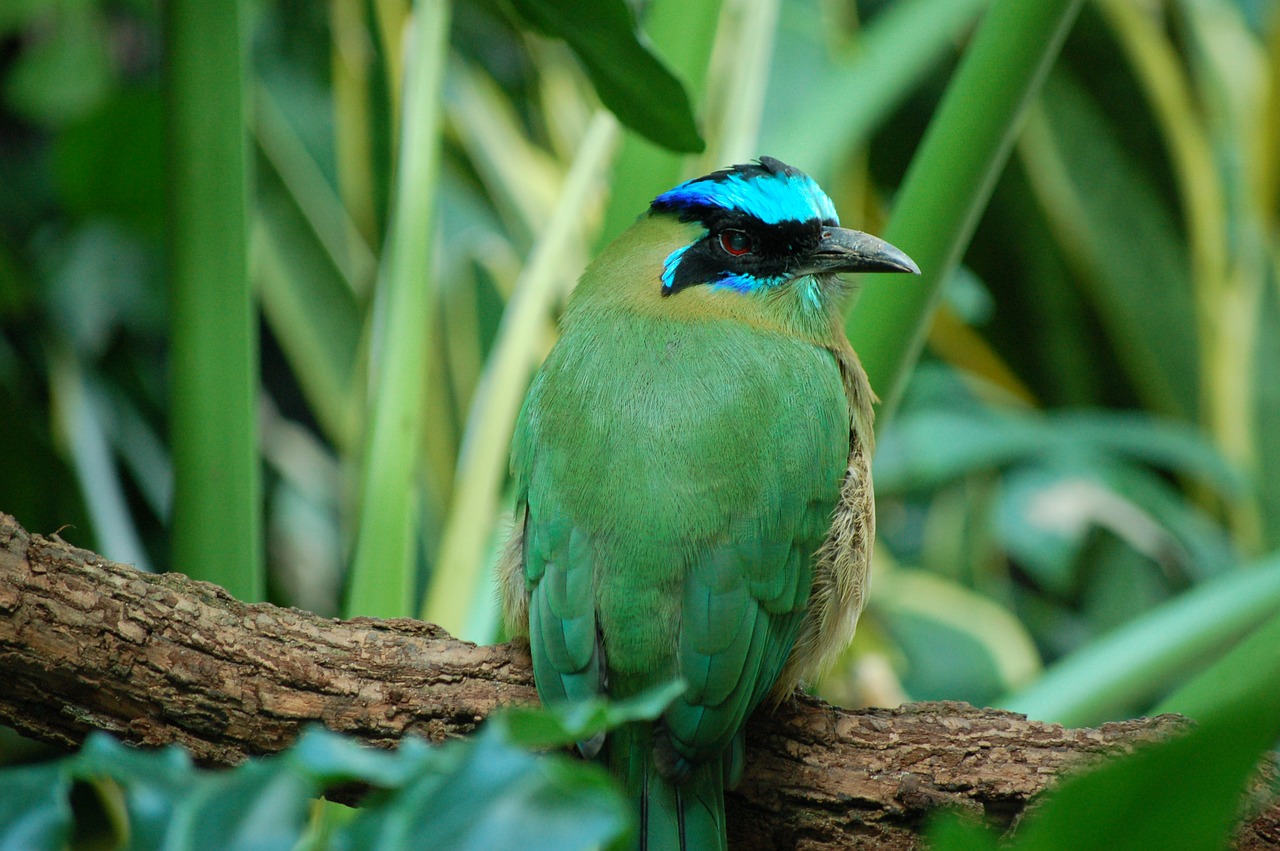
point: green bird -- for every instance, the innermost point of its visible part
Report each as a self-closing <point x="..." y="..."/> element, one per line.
<point x="693" y="481"/>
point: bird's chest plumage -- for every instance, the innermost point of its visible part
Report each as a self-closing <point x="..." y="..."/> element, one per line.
<point x="661" y="442"/>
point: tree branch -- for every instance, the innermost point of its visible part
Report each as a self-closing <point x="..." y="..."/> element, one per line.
<point x="88" y="644"/>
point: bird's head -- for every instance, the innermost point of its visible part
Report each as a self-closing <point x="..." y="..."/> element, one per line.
<point x="764" y="227"/>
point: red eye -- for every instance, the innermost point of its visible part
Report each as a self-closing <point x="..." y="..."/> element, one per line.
<point x="735" y="242"/>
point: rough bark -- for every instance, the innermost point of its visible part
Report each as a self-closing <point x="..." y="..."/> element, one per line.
<point x="88" y="644"/>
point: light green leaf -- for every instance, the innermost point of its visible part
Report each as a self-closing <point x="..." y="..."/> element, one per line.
<point x="1152" y="652"/>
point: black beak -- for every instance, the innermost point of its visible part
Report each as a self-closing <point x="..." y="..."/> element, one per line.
<point x="844" y="250"/>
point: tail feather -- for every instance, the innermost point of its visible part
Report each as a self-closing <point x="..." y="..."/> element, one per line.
<point x="688" y="816"/>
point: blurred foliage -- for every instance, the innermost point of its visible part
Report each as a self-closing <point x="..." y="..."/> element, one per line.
<point x="485" y="793"/>
<point x="1129" y="804"/>
<point x="1083" y="469"/>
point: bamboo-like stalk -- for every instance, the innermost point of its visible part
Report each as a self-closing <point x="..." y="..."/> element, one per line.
<point x="736" y="90"/>
<point x="353" y="144"/>
<point x="483" y="458"/>
<point x="214" y="368"/>
<point x="951" y="178"/>
<point x="382" y="572"/>
<point x="836" y="115"/>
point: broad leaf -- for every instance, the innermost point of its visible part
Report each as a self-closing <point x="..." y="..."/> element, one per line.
<point x="629" y="77"/>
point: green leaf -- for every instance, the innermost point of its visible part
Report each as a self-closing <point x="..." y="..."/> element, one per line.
<point x="923" y="451"/>
<point x="1183" y="793"/>
<point x="1266" y="383"/>
<point x="686" y="33"/>
<point x="953" y="831"/>
<point x="1163" y="443"/>
<point x="331" y="758"/>
<point x="820" y="109"/>
<point x="631" y="80"/>
<point x="112" y="163"/>
<point x="575" y="722"/>
<point x="313" y="315"/>
<point x="1121" y="238"/>
<point x="1046" y="512"/>
<point x="1254" y="660"/>
<point x="927" y="449"/>
<point x="490" y="796"/>
<point x="67" y="73"/>
<point x="1139" y="659"/>
<point x="153" y="783"/>
<point x="35" y="809"/>
<point x="260" y="806"/>
<point x="950" y="181"/>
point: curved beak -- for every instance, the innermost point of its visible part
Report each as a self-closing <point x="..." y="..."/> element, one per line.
<point x="844" y="250"/>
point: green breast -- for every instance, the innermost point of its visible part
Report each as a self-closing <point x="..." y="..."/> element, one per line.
<point x="645" y="444"/>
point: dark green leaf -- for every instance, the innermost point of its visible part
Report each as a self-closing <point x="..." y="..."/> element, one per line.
<point x="331" y="758"/>
<point x="260" y="806"/>
<point x="563" y="725"/>
<point x="1122" y="238"/>
<point x="153" y="782"/>
<point x="493" y="797"/>
<point x="954" y="831"/>
<point x="112" y="163"/>
<point x="630" y="78"/>
<point x="35" y="809"/>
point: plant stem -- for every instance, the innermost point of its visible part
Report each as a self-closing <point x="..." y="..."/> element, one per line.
<point x="216" y="518"/>
<point x="382" y="572"/>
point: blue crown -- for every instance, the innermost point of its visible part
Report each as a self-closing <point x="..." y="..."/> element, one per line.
<point x="768" y="190"/>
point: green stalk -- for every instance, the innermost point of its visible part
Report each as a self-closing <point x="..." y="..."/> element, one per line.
<point x="216" y="516"/>
<point x="353" y="141"/>
<point x="950" y="180"/>
<point x="80" y="427"/>
<point x="1138" y="659"/>
<point x="894" y="52"/>
<point x="491" y="422"/>
<point x="746" y="34"/>
<point x="382" y="572"/>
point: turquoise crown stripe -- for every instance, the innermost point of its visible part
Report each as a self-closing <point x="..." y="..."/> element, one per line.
<point x="771" y="198"/>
